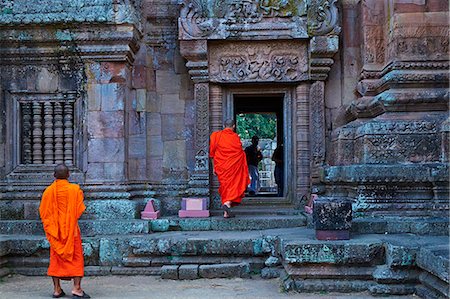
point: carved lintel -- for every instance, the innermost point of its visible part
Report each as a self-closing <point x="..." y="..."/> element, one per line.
<point x="258" y="62"/>
<point x="322" y="49"/>
<point x="317" y="128"/>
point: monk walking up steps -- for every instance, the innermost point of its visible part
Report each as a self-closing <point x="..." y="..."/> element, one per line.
<point x="61" y="206"/>
<point x="230" y="166"/>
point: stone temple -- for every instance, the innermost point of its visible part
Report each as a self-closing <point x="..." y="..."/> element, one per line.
<point x="127" y="92"/>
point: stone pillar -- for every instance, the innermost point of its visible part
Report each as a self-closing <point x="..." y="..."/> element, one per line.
<point x="195" y="51"/>
<point x="106" y="121"/>
<point x="317" y="128"/>
<point x="302" y="139"/>
<point x="216" y="121"/>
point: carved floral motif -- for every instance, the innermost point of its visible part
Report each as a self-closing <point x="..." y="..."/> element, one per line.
<point x="259" y="62"/>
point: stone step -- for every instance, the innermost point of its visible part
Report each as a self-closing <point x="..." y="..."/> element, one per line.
<point x="218" y="223"/>
<point x="253" y="210"/>
<point x="100" y="209"/>
<point x="88" y="227"/>
<point x="430" y="226"/>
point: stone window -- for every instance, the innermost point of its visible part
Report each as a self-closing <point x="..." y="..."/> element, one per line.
<point x="44" y="129"/>
<point x="46" y="135"/>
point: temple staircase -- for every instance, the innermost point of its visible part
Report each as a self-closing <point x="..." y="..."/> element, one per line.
<point x="270" y="241"/>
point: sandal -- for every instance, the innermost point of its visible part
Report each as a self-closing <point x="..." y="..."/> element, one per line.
<point x="228" y="210"/>
<point x="62" y="294"/>
<point x="75" y="296"/>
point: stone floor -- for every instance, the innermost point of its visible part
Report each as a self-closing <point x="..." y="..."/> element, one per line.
<point x="134" y="287"/>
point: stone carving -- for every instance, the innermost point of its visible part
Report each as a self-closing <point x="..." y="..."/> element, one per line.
<point x="26" y="133"/>
<point x="58" y="131"/>
<point x="201" y="127"/>
<point x="196" y="17"/>
<point x="244" y="12"/>
<point x="37" y="133"/>
<point x="202" y="18"/>
<point x="323" y="18"/>
<point x="317" y="123"/>
<point x="47" y="129"/>
<point x="48" y="133"/>
<point x="259" y="63"/>
<point x="68" y="133"/>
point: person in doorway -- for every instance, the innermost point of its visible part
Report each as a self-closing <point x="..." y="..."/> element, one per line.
<point x="277" y="157"/>
<point x="254" y="156"/>
<point x="230" y="166"/>
<point x="60" y="208"/>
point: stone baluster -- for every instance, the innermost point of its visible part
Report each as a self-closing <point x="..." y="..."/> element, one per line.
<point x="59" y="154"/>
<point x="68" y="133"/>
<point x="48" y="133"/>
<point x="37" y="133"/>
<point x="26" y="133"/>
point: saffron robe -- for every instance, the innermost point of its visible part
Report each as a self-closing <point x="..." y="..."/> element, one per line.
<point x="230" y="165"/>
<point x="61" y="206"/>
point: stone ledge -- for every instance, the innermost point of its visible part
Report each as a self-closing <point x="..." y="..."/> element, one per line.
<point x="224" y="270"/>
<point x="435" y="260"/>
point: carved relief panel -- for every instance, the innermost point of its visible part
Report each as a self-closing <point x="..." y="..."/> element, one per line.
<point x="277" y="61"/>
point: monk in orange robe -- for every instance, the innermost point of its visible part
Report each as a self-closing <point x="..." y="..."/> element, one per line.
<point x="61" y="206"/>
<point x="230" y="166"/>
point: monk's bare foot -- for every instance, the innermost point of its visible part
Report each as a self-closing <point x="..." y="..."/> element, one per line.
<point x="58" y="293"/>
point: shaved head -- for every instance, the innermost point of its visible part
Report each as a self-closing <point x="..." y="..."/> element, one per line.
<point x="61" y="171"/>
<point x="229" y="123"/>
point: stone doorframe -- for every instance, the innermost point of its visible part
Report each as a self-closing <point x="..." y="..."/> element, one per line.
<point x="227" y="44"/>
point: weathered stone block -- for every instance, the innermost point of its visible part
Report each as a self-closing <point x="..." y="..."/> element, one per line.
<point x="329" y="214"/>
<point x="139" y="76"/>
<point x="109" y="252"/>
<point x="94" y="97"/>
<point x="159" y="225"/>
<point x="114" y="171"/>
<point x="169" y="272"/>
<point x="392" y="289"/>
<point x="272" y="261"/>
<point x="435" y="284"/>
<point x="173" y="127"/>
<point x="269" y="273"/>
<point x="400" y="255"/>
<point x="435" y="260"/>
<point x="106" y="150"/>
<point x="174" y="155"/>
<point x="338" y="252"/>
<point x="188" y="272"/>
<point x="136" y="261"/>
<point x="171" y="104"/>
<point x="223" y="270"/>
<point x="113" y="97"/>
<point x="167" y="82"/>
<point x="106" y="124"/>
<point x="384" y="274"/>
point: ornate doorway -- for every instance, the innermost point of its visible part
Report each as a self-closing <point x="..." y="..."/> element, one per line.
<point x="244" y="48"/>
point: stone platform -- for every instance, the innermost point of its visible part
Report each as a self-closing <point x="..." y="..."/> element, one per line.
<point x="382" y="264"/>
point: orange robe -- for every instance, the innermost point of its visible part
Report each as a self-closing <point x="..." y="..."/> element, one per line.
<point x="61" y="206"/>
<point x="230" y="165"/>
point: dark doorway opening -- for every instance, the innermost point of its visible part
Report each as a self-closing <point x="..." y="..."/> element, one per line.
<point x="262" y="115"/>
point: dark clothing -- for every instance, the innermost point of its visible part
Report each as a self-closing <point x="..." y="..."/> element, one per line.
<point x="254" y="155"/>
<point x="277" y="157"/>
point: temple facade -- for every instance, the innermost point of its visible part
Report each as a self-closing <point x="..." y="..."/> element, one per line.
<point x="128" y="92"/>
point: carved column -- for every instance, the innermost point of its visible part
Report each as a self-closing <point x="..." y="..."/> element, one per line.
<point x="26" y="133"/>
<point x="48" y="133"/>
<point x="195" y="51"/>
<point x="302" y="140"/>
<point x="68" y="133"/>
<point x="59" y="154"/>
<point x="215" y="119"/>
<point x="317" y="128"/>
<point x="37" y="133"/>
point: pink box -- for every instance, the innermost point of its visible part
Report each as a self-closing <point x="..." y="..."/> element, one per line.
<point x="193" y="214"/>
<point x="194" y="204"/>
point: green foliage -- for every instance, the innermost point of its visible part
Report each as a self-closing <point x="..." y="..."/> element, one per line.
<point x="263" y="125"/>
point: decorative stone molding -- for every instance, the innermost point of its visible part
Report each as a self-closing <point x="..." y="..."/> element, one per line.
<point x="218" y="19"/>
<point x="322" y="49"/>
<point x="323" y="18"/>
<point x="317" y="127"/>
<point x="258" y="62"/>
